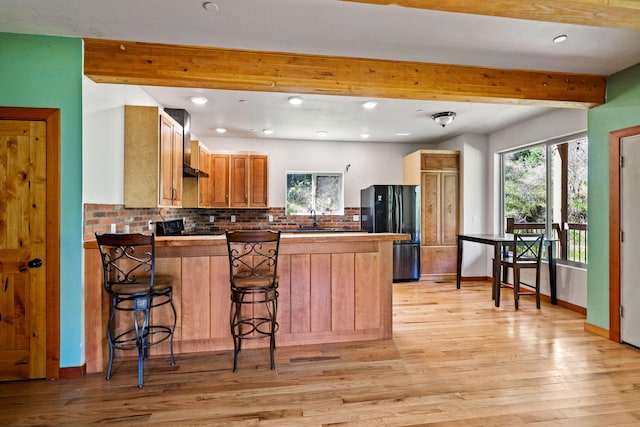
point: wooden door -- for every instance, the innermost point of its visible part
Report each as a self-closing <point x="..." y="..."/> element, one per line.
<point x="219" y="180"/>
<point x="629" y="247"/>
<point x="239" y="186"/>
<point x="204" y="182"/>
<point x="166" y="190"/>
<point x="430" y="188"/>
<point x="177" y="164"/>
<point x="23" y="249"/>
<point x="258" y="179"/>
<point x="449" y="208"/>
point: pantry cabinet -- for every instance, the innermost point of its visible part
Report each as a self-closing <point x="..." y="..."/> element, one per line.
<point x="153" y="158"/>
<point x="437" y="173"/>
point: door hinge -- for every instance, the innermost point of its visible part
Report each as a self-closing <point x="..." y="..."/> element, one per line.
<point x="621" y="236"/>
<point x="621" y="161"/>
<point x="621" y="311"/>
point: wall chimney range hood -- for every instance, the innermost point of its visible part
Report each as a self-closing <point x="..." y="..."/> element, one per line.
<point x="184" y="119"/>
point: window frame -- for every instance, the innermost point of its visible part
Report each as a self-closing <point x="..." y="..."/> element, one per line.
<point x="314" y="175"/>
<point x="548" y="145"/>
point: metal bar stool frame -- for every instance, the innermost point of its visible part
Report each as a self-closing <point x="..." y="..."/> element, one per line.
<point x="253" y="262"/>
<point x="129" y="278"/>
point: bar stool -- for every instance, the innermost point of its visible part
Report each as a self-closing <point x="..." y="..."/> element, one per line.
<point x="129" y="278"/>
<point x="253" y="262"/>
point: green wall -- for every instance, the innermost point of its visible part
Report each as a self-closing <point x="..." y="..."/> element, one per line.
<point x="621" y="111"/>
<point x="46" y="72"/>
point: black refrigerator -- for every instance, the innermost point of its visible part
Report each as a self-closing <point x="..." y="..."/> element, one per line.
<point x="395" y="209"/>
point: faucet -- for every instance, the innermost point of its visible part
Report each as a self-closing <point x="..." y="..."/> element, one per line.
<point x="314" y="217"/>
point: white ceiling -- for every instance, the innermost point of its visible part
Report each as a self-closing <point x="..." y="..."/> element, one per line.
<point x="331" y="27"/>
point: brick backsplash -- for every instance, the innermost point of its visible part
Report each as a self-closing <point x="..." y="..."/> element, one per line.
<point x="99" y="217"/>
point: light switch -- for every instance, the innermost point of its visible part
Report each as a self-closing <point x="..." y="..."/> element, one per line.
<point x="233" y="218"/>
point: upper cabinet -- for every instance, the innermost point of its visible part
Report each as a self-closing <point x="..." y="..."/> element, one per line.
<point x="258" y="181"/>
<point x="249" y="185"/>
<point x="153" y="158"/>
<point x="195" y="183"/>
<point x="235" y="180"/>
<point x="219" y="180"/>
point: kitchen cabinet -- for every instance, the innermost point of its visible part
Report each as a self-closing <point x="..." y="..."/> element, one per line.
<point x="248" y="186"/>
<point x="204" y="182"/>
<point x="334" y="287"/>
<point x="437" y="173"/>
<point x="219" y="180"/>
<point x="196" y="193"/>
<point x="153" y="158"/>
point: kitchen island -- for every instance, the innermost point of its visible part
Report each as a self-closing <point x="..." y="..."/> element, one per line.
<point x="334" y="287"/>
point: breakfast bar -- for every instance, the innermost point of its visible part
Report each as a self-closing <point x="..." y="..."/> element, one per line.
<point x="334" y="287"/>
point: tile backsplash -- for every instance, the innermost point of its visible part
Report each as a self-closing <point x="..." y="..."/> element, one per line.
<point x="100" y="217"/>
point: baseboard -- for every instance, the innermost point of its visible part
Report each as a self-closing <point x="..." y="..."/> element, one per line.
<point x="73" y="372"/>
<point x="475" y="279"/>
<point x="597" y="330"/>
<point x="546" y="298"/>
<point x="446" y="277"/>
<point x="565" y="304"/>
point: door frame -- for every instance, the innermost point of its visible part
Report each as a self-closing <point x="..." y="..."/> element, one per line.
<point x="615" y="139"/>
<point x="52" y="118"/>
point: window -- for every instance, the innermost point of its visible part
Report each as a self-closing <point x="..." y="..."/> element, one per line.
<point x="544" y="188"/>
<point x="319" y="191"/>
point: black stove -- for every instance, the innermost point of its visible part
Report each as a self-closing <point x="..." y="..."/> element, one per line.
<point x="173" y="227"/>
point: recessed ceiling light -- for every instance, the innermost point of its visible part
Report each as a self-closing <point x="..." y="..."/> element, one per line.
<point x="200" y="100"/>
<point x="267" y="131"/>
<point x="403" y="134"/>
<point x="295" y="100"/>
<point x="221" y="130"/>
<point x="560" y="38"/>
<point x="210" y="6"/>
<point x="364" y="135"/>
<point x="370" y="104"/>
<point x="322" y="133"/>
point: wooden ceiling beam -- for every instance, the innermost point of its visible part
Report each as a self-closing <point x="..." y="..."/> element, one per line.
<point x="592" y="13"/>
<point x="109" y="61"/>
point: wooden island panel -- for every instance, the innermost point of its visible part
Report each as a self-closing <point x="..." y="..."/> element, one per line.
<point x="333" y="288"/>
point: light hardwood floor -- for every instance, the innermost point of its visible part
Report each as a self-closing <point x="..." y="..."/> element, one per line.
<point x="455" y="360"/>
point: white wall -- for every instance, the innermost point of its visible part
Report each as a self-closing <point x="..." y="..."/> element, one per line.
<point x="474" y="189"/>
<point x="103" y="138"/>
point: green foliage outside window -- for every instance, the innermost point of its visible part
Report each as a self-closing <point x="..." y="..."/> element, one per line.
<point x="299" y="193"/>
<point x="322" y="192"/>
<point x="525" y="189"/>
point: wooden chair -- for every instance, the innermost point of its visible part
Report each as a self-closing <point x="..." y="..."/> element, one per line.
<point x="129" y="278"/>
<point x="525" y="253"/>
<point x="253" y="262"/>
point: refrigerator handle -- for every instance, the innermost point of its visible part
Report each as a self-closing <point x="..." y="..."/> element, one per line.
<point x="396" y="212"/>
<point x="400" y="214"/>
